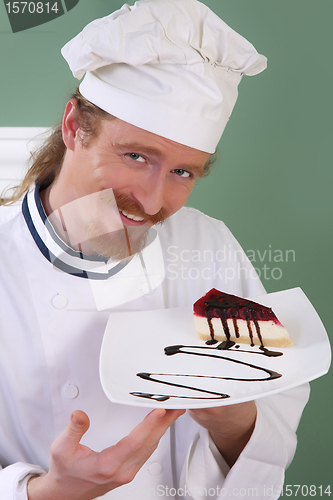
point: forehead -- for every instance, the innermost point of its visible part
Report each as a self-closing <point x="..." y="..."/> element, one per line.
<point x="120" y="135"/>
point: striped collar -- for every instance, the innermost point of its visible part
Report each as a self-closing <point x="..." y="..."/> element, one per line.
<point x="58" y="253"/>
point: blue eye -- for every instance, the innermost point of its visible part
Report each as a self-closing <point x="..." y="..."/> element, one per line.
<point x="136" y="157"/>
<point x="181" y="172"/>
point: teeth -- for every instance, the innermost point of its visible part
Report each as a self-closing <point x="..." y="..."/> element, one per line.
<point x="132" y="217"/>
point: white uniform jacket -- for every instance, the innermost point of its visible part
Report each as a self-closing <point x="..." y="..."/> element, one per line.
<point x="51" y="329"/>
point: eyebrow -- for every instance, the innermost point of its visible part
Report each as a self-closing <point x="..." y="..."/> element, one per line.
<point x="137" y="146"/>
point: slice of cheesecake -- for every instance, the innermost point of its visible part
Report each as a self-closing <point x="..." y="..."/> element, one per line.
<point x="220" y="316"/>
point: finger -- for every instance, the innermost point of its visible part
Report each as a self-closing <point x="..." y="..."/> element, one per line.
<point x="165" y="422"/>
<point x="169" y="417"/>
<point x="77" y="426"/>
<point x="144" y="438"/>
<point x="156" y="422"/>
<point x="127" y="457"/>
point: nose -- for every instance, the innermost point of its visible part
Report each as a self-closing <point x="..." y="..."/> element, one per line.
<point x="150" y="193"/>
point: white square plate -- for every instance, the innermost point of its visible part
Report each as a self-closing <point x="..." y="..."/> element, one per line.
<point x="201" y="376"/>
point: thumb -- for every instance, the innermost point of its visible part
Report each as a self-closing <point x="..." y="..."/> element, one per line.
<point x="78" y="425"/>
<point x="76" y="428"/>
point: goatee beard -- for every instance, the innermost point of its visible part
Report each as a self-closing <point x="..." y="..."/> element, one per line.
<point x="118" y="245"/>
<point x="123" y="243"/>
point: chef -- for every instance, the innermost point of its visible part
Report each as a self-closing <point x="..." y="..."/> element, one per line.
<point x="98" y="227"/>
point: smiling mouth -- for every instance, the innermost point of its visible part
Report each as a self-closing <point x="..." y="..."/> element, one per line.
<point x="132" y="217"/>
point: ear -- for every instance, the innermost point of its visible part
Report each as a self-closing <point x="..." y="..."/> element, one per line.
<point x="69" y="125"/>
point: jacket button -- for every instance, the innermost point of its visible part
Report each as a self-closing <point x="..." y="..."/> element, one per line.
<point x="59" y="301"/>
<point x="71" y="391"/>
<point x="155" y="469"/>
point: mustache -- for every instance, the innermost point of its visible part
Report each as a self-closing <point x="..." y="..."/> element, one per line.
<point x="126" y="204"/>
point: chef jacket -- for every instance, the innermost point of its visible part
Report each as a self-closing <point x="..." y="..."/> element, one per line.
<point x="54" y="307"/>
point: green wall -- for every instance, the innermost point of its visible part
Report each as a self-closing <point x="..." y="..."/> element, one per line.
<point x="273" y="182"/>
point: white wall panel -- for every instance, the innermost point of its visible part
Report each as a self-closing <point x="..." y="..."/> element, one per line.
<point x="16" y="143"/>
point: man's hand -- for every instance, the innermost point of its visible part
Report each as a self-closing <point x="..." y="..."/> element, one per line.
<point x="230" y="427"/>
<point x="78" y="473"/>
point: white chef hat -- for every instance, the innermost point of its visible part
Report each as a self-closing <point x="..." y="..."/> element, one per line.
<point x="171" y="67"/>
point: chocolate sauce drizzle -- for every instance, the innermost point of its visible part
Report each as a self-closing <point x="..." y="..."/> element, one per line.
<point x="148" y="376"/>
<point x="229" y="308"/>
<point x="226" y="345"/>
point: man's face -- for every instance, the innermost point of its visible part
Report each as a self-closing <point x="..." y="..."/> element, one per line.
<point x="151" y="177"/>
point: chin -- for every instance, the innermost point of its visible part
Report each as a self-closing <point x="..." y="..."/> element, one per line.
<point x="118" y="245"/>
